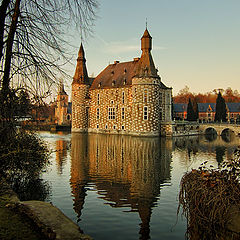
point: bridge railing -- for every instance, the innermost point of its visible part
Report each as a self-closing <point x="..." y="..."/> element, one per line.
<point x="218" y="123"/>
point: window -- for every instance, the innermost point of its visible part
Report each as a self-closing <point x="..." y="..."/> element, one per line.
<point x="106" y="126"/>
<point x="112" y="102"/>
<point x="161" y="115"/>
<point x="114" y="127"/>
<point x="123" y="113"/>
<point x="97" y="126"/>
<point x="122" y="127"/>
<point x="98" y="99"/>
<point x="98" y="113"/>
<point x="145" y="113"/>
<point x="111" y="113"/>
<point x="160" y="98"/>
<point x="145" y="95"/>
<point x="123" y="97"/>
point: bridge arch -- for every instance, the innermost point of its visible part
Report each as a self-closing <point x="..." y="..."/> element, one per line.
<point x="227" y="131"/>
<point x="220" y="128"/>
<point x="210" y="131"/>
<point x="227" y="134"/>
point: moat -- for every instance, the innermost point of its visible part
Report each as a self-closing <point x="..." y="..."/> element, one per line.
<point x="125" y="187"/>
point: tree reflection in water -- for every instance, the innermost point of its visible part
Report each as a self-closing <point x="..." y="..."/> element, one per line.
<point x="127" y="172"/>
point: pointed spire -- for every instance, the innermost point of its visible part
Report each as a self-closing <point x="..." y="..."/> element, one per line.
<point x="146" y="41"/>
<point x="81" y="75"/>
<point x="61" y="87"/>
<point x="146" y="66"/>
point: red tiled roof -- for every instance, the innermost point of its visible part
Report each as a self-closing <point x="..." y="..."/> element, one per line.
<point x="116" y="75"/>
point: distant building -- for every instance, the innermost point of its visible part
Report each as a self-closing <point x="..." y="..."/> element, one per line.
<point x="207" y="112"/>
<point x="63" y="109"/>
<point x="233" y="112"/>
<point x="125" y="98"/>
<point x="180" y="111"/>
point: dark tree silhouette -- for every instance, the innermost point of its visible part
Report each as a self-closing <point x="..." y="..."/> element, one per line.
<point x="221" y="110"/>
<point x="191" y="116"/>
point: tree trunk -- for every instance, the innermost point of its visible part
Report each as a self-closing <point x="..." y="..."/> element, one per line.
<point x="8" y="57"/>
<point x="3" y="14"/>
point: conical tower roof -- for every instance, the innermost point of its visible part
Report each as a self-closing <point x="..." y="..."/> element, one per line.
<point x="61" y="90"/>
<point x="146" y="34"/>
<point x="81" y="75"/>
<point x="146" y="67"/>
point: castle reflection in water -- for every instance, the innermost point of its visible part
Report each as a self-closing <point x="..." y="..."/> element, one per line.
<point x="130" y="171"/>
<point x="127" y="171"/>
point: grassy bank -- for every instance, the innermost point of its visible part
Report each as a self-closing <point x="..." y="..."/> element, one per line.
<point x="13" y="224"/>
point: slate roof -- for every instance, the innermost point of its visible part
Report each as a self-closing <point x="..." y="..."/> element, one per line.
<point x="233" y="107"/>
<point x="203" y="107"/>
<point x="180" y="107"/>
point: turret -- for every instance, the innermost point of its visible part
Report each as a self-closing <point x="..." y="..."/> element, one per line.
<point x="146" y="66"/>
<point x="145" y="90"/>
<point x="80" y="95"/>
<point x="81" y="75"/>
<point x="146" y="42"/>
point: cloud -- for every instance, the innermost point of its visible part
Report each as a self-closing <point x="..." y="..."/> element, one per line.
<point x="124" y="46"/>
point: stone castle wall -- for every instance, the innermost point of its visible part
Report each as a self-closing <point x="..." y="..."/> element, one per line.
<point x="80" y="107"/>
<point x="136" y="110"/>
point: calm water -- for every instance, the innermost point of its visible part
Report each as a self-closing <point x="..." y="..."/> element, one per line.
<point x="121" y="187"/>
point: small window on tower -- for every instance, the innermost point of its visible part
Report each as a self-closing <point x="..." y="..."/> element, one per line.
<point x="123" y="113"/>
<point x="98" y="113"/>
<point x="145" y="113"/>
<point x="145" y="95"/>
<point x="123" y="97"/>
<point x="98" y="98"/>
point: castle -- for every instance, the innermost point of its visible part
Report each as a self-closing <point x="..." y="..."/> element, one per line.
<point x="125" y="98"/>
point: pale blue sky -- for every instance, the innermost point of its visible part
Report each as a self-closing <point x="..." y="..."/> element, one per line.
<point x="195" y="43"/>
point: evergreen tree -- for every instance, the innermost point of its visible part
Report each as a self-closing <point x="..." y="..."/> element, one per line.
<point x="221" y="110"/>
<point x="190" y="112"/>
<point x="195" y="109"/>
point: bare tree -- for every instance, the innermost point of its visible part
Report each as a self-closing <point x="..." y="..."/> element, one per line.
<point x="33" y="47"/>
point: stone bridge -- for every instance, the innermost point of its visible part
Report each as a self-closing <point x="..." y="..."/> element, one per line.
<point x="219" y="128"/>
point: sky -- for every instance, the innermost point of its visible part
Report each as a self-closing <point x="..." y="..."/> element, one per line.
<point x="195" y="43"/>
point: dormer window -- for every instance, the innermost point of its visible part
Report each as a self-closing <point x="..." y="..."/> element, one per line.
<point x="124" y="81"/>
<point x="113" y="83"/>
<point x="125" y="70"/>
<point x="112" y="72"/>
<point x="100" y="84"/>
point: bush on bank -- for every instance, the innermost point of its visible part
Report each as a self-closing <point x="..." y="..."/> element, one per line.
<point x="207" y="196"/>
<point x="22" y="159"/>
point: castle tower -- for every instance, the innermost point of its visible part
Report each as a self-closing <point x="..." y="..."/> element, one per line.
<point x="80" y="95"/>
<point x="145" y="90"/>
<point x="62" y="104"/>
<point x="146" y="65"/>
